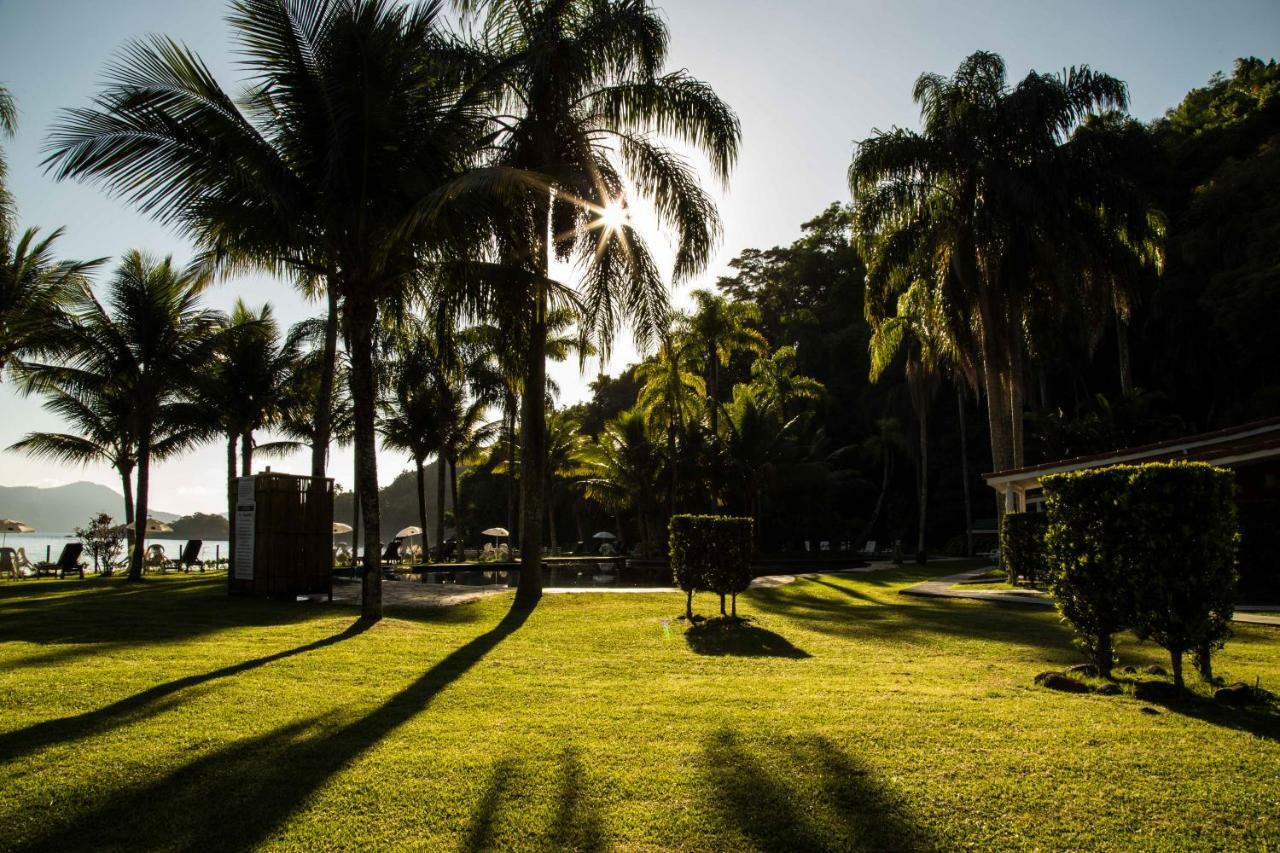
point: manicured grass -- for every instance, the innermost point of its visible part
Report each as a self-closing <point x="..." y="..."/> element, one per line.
<point x="844" y="715"/>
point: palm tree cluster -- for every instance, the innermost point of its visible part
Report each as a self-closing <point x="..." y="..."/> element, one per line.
<point x="402" y="167"/>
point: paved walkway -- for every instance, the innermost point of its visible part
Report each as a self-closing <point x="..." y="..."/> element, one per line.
<point x="945" y="587"/>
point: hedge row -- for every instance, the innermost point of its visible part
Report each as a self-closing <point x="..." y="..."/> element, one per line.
<point x="711" y="553"/>
<point x="1149" y="547"/>
<point x="1022" y="545"/>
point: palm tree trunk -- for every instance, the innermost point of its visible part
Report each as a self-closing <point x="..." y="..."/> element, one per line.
<point x="362" y="314"/>
<point x="355" y="513"/>
<point x="1017" y="382"/>
<point x="675" y="471"/>
<point x="144" y="483"/>
<point x="714" y="393"/>
<point x="513" y="518"/>
<point x="998" y="423"/>
<point x="246" y="454"/>
<point x="126" y="483"/>
<point x="419" y="462"/>
<point x="886" y="472"/>
<point x="231" y="504"/>
<point x="440" y="500"/>
<point x="533" y="449"/>
<point x="457" y="510"/>
<point x="323" y="423"/>
<point x="1122" y="353"/>
<point x="923" y="414"/>
<point x="964" y="474"/>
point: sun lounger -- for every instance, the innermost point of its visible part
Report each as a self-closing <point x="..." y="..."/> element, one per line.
<point x="154" y="558"/>
<point x="9" y="563"/>
<point x="68" y="561"/>
<point x="189" y="557"/>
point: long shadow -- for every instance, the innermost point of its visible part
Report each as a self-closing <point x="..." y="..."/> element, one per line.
<point x="739" y="638"/>
<point x="480" y="833"/>
<point x="577" y="825"/>
<point x="821" y="799"/>
<point x="1259" y="720"/>
<point x="843" y="590"/>
<point x="148" y="703"/>
<point x="237" y="796"/>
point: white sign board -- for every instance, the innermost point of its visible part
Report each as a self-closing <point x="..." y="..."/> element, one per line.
<point x="246" y="516"/>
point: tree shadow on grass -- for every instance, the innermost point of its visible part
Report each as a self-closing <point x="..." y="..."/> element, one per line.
<point x="1260" y="720"/>
<point x="808" y="795"/>
<point x="738" y="638"/>
<point x="575" y="825"/>
<point x="148" y="703"/>
<point x="236" y="797"/>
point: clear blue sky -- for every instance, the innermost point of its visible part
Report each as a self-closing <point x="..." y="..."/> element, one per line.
<point x="807" y="77"/>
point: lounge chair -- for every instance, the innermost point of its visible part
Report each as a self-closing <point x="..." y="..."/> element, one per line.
<point x="153" y="558"/>
<point x="68" y="561"/>
<point x="868" y="548"/>
<point x="503" y="554"/>
<point x="189" y="557"/>
<point x="9" y="563"/>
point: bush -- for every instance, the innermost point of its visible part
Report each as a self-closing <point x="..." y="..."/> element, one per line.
<point x="1148" y="547"/>
<point x="1083" y="544"/>
<point x="1022" y="549"/>
<point x="712" y="553"/>
<point x="1182" y="537"/>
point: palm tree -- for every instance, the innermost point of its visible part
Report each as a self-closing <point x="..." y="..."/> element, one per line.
<point x="717" y="328"/>
<point x="8" y="127"/>
<point x="34" y="285"/>
<point x="567" y="452"/>
<point x="355" y="119"/>
<point x="621" y="471"/>
<point x="919" y="326"/>
<point x="143" y="345"/>
<point x="586" y="101"/>
<point x="778" y="384"/>
<point x="754" y="445"/>
<point x="998" y="204"/>
<point x="670" y="396"/>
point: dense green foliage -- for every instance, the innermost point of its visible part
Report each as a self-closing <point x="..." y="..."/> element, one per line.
<point x="712" y="553"/>
<point x="1022" y="545"/>
<point x="1148" y="547"/>
<point x="1180" y="534"/>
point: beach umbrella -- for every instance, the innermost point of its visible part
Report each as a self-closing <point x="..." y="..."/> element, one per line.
<point x="339" y="527"/>
<point x="409" y="531"/>
<point x="9" y="525"/>
<point x="500" y="532"/>
<point x="604" y="534"/>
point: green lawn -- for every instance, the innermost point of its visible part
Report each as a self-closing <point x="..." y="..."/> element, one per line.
<point x="845" y="715"/>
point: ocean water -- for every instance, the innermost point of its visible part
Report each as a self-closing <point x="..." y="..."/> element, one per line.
<point x="37" y="545"/>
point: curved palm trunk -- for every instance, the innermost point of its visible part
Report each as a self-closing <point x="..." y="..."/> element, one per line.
<point x="533" y="447"/>
<point x="323" y="423"/>
<point x="440" y="475"/>
<point x="964" y="475"/>
<point x="419" y="461"/>
<point x="361" y="317"/>
<point x="921" y="556"/>
<point x="231" y="504"/>
<point x="457" y="510"/>
<point x="144" y="482"/>
<point x="126" y="483"/>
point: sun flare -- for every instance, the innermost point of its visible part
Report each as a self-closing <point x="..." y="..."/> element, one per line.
<point x="613" y="216"/>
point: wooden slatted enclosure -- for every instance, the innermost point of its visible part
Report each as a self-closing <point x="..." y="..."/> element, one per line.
<point x="283" y="536"/>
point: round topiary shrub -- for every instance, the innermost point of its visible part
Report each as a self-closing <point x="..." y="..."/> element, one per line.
<point x="712" y="553"/>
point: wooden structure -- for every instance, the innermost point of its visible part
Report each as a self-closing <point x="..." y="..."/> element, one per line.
<point x="283" y="537"/>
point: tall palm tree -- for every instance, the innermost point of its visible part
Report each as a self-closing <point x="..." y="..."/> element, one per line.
<point x="587" y="102"/>
<point x="778" y="384"/>
<point x="143" y="344"/>
<point x="567" y="451"/>
<point x="671" y="395"/>
<point x="8" y="127"/>
<point x="993" y="198"/>
<point x="919" y="326"/>
<point x="754" y="445"/>
<point x="355" y="119"/>
<point x="717" y="328"/>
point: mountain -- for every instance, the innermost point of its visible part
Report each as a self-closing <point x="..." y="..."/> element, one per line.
<point x="61" y="509"/>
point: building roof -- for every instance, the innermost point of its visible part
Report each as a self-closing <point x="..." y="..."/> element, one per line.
<point x="1244" y="443"/>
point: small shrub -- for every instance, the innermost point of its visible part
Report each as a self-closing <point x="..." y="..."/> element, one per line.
<point x="1083" y="544"/>
<point x="1022" y="546"/>
<point x="1182" y="535"/>
<point x="713" y="553"/>
<point x="101" y="541"/>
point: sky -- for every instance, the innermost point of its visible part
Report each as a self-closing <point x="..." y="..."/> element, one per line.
<point x="808" y="79"/>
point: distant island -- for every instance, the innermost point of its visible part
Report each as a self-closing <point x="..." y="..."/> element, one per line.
<point x="201" y="525"/>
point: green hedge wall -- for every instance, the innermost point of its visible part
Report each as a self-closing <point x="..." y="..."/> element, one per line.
<point x="711" y="553"/>
<point x="1148" y="547"/>
<point x="1022" y="549"/>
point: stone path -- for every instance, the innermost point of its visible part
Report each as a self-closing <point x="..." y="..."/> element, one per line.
<point x="945" y="588"/>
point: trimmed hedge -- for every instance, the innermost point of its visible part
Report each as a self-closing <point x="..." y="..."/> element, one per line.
<point x="1022" y="549"/>
<point x="711" y="553"/>
<point x="1148" y="547"/>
